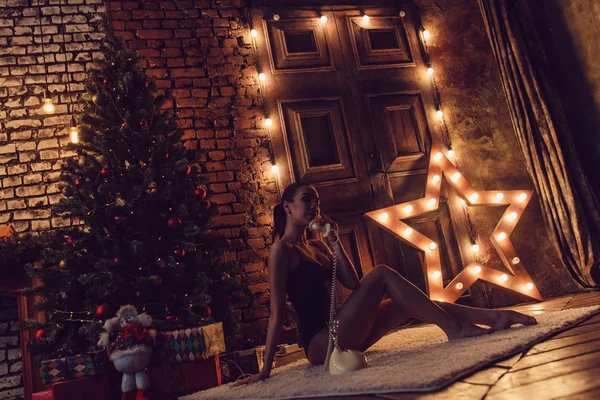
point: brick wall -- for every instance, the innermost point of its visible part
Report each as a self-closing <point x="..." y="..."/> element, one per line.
<point x="11" y="381"/>
<point x="201" y="56"/>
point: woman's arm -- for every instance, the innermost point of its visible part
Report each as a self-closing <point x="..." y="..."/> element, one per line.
<point x="279" y="262"/>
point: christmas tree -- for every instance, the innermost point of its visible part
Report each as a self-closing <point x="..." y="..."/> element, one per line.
<point x="143" y="236"/>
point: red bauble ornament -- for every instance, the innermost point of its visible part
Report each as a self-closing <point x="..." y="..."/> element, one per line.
<point x="103" y="311"/>
<point x="116" y="260"/>
<point x="205" y="204"/>
<point x="206" y="312"/>
<point x="105" y="81"/>
<point x="143" y="123"/>
<point x="172" y="318"/>
<point x="40" y="334"/>
<point x="116" y="218"/>
<point x="165" y="154"/>
<point x="179" y="252"/>
<point x="200" y="193"/>
<point x="69" y="240"/>
<point x="105" y="172"/>
<point x="188" y="170"/>
<point x="77" y="182"/>
<point x="174" y="222"/>
<point x="228" y="301"/>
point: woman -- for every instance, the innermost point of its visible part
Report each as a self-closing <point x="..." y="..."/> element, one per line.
<point x="302" y="269"/>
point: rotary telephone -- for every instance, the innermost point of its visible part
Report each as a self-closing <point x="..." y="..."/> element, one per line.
<point x="338" y="361"/>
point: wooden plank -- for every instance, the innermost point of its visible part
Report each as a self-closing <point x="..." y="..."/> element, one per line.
<point x="530" y="375"/>
<point x="488" y="376"/>
<point x="560" y="343"/>
<point x="593" y="320"/>
<point x="555" y="355"/>
<point x="591" y="394"/>
<point x="509" y="362"/>
<point x="578" y="330"/>
<point x="457" y="391"/>
<point x="565" y="385"/>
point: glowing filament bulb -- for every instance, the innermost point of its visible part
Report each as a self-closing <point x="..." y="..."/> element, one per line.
<point x="431" y="202"/>
<point x="436" y="178"/>
<point x="436" y="274"/>
<point x="432" y="246"/>
<point x="408" y="209"/>
<point x="473" y="197"/>
<point x="384" y="217"/>
<point x="74" y="135"/>
<point x="254" y="33"/>
<point x="476" y="269"/>
<point x="430" y="71"/>
<point x="512" y="216"/>
<point x="366" y="19"/>
<point x="455" y="177"/>
<point x="501" y="236"/>
<point x="408" y="231"/>
<point x="268" y="122"/>
<point x="499" y="196"/>
<point x="459" y="286"/>
<point x="426" y="34"/>
<point x="522" y="197"/>
<point x="451" y="153"/>
<point x="439" y="114"/>
<point x="275" y="169"/>
<point x="48" y="106"/>
<point x="462" y="202"/>
<point x="516" y="260"/>
<point x="475" y="248"/>
<point x="262" y="77"/>
<point x="276" y="17"/>
<point x="438" y="156"/>
<point x="529" y="286"/>
<point x="503" y="278"/>
<point x="323" y="19"/>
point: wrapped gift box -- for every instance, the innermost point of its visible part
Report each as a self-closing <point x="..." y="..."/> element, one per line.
<point x="242" y="362"/>
<point x="194" y="344"/>
<point x="45" y="395"/>
<point x="54" y="370"/>
<point x="190" y="378"/>
<point x="86" y="365"/>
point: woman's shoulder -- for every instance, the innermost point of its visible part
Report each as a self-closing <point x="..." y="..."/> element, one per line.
<point x="282" y="248"/>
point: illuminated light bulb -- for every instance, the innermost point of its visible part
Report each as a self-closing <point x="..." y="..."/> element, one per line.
<point x="438" y="156"/>
<point x="473" y="197"/>
<point x="451" y="153"/>
<point x="275" y="169"/>
<point x="436" y="179"/>
<point x="276" y="17"/>
<point x="384" y="217"/>
<point x="512" y="216"/>
<point x="455" y="177"/>
<point x="499" y="196"/>
<point x="529" y="286"/>
<point x="408" y="209"/>
<point x="476" y="269"/>
<point x="366" y="19"/>
<point x="431" y="202"/>
<point x="323" y="19"/>
<point x="475" y="248"/>
<point x="262" y="77"/>
<point x="503" y="278"/>
<point x="426" y="34"/>
<point x="268" y="122"/>
<point x="430" y="71"/>
<point x="516" y="260"/>
<point x="439" y="114"/>
<point x="459" y="286"/>
<point x="432" y="246"/>
<point x="48" y="106"/>
<point x="522" y="197"/>
<point x="408" y="231"/>
<point x="74" y="135"/>
<point x="436" y="274"/>
<point x="462" y="202"/>
<point x="254" y="33"/>
<point x="501" y="236"/>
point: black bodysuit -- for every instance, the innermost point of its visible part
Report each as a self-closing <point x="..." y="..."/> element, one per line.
<point x="308" y="287"/>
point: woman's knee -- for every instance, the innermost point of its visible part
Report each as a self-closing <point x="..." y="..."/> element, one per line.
<point x="382" y="271"/>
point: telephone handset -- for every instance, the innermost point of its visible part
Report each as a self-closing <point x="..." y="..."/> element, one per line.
<point x="315" y="225"/>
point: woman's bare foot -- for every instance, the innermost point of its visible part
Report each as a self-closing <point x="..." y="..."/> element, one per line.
<point x="468" y="330"/>
<point x="505" y="319"/>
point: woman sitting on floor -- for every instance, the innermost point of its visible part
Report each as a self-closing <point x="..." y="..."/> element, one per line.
<point x="302" y="269"/>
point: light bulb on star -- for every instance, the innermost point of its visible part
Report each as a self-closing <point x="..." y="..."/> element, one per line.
<point x="431" y="202"/>
<point x="384" y="217"/>
<point x="503" y="278"/>
<point x="475" y="248"/>
<point x="366" y="19"/>
<point x="455" y="177"/>
<point x="522" y="197"/>
<point x="438" y="156"/>
<point x="501" y="236"/>
<point x="323" y="19"/>
<point x="499" y="196"/>
<point x="512" y="216"/>
<point x="408" y="209"/>
<point x="473" y="197"/>
<point x="430" y="71"/>
<point x="408" y="231"/>
<point x="432" y="246"/>
<point x="435" y="179"/>
<point x="436" y="275"/>
<point x="426" y="34"/>
<point x="459" y="286"/>
<point x="476" y="269"/>
<point x="451" y="153"/>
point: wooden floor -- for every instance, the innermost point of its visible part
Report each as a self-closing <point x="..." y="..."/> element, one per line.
<point x="566" y="366"/>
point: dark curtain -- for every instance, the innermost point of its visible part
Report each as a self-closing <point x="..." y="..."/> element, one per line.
<point x="570" y="208"/>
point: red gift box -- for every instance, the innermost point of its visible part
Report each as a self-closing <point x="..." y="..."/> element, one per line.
<point x="45" y="395"/>
<point x="96" y="388"/>
<point x="200" y="375"/>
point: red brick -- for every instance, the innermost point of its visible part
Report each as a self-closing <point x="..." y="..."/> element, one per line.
<point x="229" y="220"/>
<point x="188" y="72"/>
<point x="147" y="14"/>
<point x="154" y="33"/>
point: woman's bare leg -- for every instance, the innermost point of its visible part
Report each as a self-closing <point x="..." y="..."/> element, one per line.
<point x="496" y="319"/>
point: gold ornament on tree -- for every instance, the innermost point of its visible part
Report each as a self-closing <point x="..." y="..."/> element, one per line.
<point x="152" y="188"/>
<point x="121" y="202"/>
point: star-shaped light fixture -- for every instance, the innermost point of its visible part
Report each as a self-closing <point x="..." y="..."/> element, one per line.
<point x="390" y="219"/>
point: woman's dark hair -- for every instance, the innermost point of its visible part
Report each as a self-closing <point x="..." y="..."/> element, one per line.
<point x="279" y="218"/>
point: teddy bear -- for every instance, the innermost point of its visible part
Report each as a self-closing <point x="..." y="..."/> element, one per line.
<point x="129" y="343"/>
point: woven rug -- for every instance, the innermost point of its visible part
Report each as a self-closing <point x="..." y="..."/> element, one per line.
<point x="411" y="360"/>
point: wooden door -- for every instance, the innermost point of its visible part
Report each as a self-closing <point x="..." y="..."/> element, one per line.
<point x="351" y="110"/>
